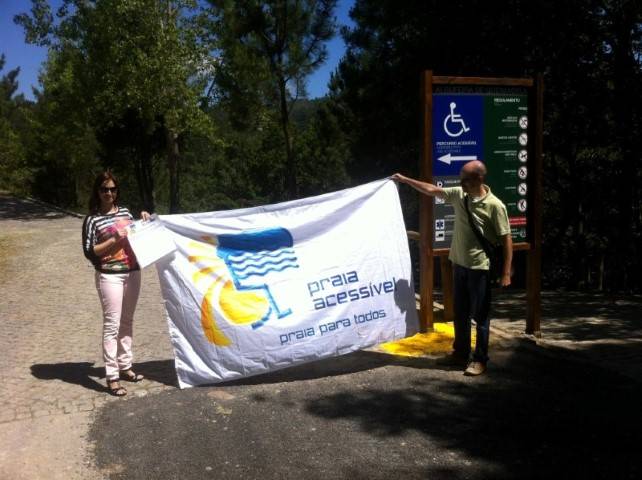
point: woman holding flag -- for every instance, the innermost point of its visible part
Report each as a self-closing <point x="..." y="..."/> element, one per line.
<point x="117" y="277"/>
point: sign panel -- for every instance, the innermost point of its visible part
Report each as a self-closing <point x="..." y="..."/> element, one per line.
<point x="457" y="129"/>
<point x="255" y="290"/>
<point x="149" y="240"/>
<point x="490" y="126"/>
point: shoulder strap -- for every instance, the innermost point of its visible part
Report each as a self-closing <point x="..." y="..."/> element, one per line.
<point x="486" y="245"/>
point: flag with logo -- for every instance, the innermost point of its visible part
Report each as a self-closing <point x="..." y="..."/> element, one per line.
<point x="255" y="290"/>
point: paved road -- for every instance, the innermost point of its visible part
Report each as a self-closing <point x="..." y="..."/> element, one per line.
<point x="566" y="405"/>
<point x="50" y="341"/>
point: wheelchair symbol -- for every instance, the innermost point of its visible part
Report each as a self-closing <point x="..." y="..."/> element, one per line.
<point x="456" y="121"/>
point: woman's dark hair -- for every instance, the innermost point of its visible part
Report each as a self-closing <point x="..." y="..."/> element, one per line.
<point x="94" y="199"/>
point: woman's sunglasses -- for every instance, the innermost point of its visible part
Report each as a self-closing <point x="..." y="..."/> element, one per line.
<point x="108" y="189"/>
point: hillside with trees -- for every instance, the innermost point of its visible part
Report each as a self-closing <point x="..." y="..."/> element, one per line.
<point x="201" y="106"/>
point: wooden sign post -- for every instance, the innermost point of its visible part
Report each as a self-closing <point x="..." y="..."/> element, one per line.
<point x="498" y="121"/>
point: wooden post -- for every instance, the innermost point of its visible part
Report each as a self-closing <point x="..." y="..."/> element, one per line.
<point x="426" y="262"/>
<point x="447" y="288"/>
<point x="534" y="245"/>
<point x="534" y="279"/>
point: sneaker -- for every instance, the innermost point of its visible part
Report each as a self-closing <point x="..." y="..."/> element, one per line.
<point x="474" y="369"/>
<point x="453" y="360"/>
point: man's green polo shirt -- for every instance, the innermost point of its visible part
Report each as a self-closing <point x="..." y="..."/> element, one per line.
<point x="490" y="215"/>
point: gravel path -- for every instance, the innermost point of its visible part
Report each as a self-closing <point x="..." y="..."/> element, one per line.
<point x="51" y="338"/>
<point x="563" y="405"/>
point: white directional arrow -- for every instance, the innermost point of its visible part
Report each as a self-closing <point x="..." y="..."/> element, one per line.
<point x="454" y="158"/>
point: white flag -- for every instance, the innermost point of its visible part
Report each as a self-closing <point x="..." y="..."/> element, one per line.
<point x="254" y="290"/>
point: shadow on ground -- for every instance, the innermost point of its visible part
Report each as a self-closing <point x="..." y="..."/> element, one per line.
<point x="370" y="415"/>
<point x="359" y="361"/>
<point x="86" y="375"/>
<point x="550" y="418"/>
<point x="16" y="209"/>
<point x="77" y="373"/>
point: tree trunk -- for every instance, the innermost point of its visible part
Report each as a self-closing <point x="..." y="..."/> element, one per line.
<point x="624" y="82"/>
<point x="145" y="178"/>
<point x="578" y="256"/>
<point x="291" y="171"/>
<point x="173" y="157"/>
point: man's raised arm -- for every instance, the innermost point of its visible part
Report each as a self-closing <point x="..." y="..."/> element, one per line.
<point x="422" y="187"/>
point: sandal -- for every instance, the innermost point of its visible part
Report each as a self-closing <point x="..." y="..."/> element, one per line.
<point x="115" y="388"/>
<point x="129" y="376"/>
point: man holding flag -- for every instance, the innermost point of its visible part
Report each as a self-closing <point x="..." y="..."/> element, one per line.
<point x="472" y="279"/>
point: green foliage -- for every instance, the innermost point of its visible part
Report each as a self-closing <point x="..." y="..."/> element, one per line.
<point x="62" y="148"/>
<point x="265" y="51"/>
<point x="137" y="58"/>
<point x="134" y="70"/>
<point x="201" y="106"/>
<point x="14" y="110"/>
<point x="589" y="52"/>
<point x="323" y="151"/>
<point x="245" y="167"/>
<point x="14" y="174"/>
<point x="132" y="85"/>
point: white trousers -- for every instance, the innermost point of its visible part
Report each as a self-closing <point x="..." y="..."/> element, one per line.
<point x="118" y="294"/>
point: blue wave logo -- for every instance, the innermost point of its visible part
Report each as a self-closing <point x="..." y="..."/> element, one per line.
<point x="251" y="256"/>
<point x="238" y="268"/>
<point x="260" y="264"/>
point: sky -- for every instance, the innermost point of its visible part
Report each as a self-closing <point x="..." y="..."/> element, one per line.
<point x="29" y="57"/>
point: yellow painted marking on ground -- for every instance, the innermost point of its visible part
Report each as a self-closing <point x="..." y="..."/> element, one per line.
<point x="439" y="341"/>
<point x="222" y="410"/>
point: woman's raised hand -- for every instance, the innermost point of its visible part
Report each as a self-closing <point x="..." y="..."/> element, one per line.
<point x="120" y="234"/>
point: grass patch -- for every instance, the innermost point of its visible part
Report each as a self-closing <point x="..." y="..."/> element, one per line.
<point x="9" y="246"/>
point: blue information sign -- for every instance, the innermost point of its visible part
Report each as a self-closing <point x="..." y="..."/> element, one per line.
<point x="487" y="126"/>
<point x="457" y="132"/>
